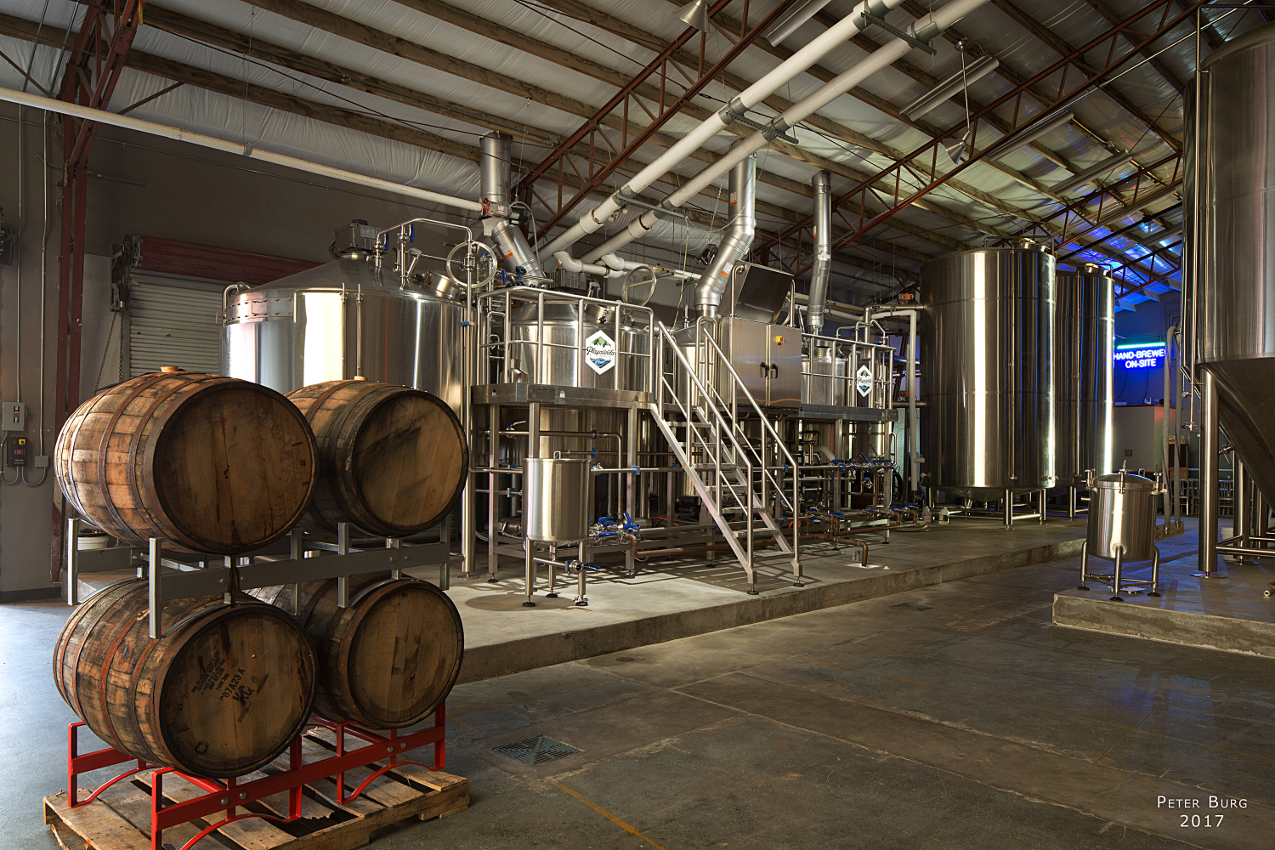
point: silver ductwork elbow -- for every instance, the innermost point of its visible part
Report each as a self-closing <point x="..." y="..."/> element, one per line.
<point x="495" y="166"/>
<point x="737" y="240"/>
<point x="821" y="184"/>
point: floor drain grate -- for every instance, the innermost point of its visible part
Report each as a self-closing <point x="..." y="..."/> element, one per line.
<point x="912" y="606"/>
<point x="536" y="750"/>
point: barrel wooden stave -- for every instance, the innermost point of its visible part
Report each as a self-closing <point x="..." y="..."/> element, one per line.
<point x="392" y="459"/>
<point x="390" y="658"/>
<point x="205" y="462"/>
<point x="220" y="693"/>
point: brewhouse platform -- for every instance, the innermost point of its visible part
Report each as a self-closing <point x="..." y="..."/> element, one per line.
<point x="1229" y="613"/>
<point x="668" y="600"/>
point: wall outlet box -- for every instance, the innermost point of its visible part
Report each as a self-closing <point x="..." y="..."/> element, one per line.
<point x="41" y="461"/>
<point x="13" y="416"/>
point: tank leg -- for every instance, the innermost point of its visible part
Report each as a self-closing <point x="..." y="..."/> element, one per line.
<point x="1042" y="507"/>
<point x="1155" y="574"/>
<point x="1209" y="439"/>
<point x="1009" y="509"/>
<point x="581" y="599"/>
<point x="493" y="458"/>
<point x="1084" y="565"/>
<point x="530" y="571"/>
<point x="1116" y="578"/>
<point x="553" y="573"/>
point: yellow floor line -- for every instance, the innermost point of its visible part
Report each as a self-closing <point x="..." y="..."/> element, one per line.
<point x="621" y="824"/>
<point x="454" y="719"/>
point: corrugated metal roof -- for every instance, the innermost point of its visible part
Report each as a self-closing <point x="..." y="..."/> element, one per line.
<point x="489" y="82"/>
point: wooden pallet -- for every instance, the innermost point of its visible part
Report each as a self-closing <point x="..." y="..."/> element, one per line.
<point x="120" y="818"/>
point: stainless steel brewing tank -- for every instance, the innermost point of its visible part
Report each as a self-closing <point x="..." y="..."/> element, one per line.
<point x="1235" y="293"/>
<point x="1122" y="513"/>
<point x="1083" y="396"/>
<point x="987" y="332"/>
<point x="565" y="329"/>
<point x="304" y="329"/>
<point x="824" y="376"/>
<point x="557" y="499"/>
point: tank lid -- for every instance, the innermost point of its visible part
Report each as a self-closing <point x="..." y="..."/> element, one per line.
<point x="1123" y="480"/>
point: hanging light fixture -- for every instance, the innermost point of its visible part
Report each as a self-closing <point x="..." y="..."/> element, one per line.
<point x="695" y="14"/>
<point x="954" y="84"/>
<point x="793" y="18"/>
<point x="1090" y="174"/>
<point x="959" y="149"/>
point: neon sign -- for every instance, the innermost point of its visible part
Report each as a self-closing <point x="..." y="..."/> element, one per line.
<point x="1139" y="355"/>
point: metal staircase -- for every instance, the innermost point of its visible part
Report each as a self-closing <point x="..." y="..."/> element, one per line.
<point x="741" y="484"/>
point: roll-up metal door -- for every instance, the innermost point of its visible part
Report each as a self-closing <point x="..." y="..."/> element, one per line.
<point x="172" y="321"/>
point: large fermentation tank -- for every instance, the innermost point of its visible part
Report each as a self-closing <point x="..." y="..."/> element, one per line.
<point x="987" y="345"/>
<point x="305" y="329"/>
<point x="1235" y="292"/>
<point x="1083" y="397"/>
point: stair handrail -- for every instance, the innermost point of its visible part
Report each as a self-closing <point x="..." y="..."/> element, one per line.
<point x="669" y="342"/>
<point x="767" y="428"/>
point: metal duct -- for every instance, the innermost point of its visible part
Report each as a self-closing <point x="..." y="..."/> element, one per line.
<point x="495" y="166"/>
<point x="821" y="184"/>
<point x="738" y="238"/>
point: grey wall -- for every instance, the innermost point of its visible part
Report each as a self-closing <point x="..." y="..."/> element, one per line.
<point x="157" y="187"/>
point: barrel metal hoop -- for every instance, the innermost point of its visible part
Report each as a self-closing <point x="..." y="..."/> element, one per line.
<point x="155" y="425"/>
<point x="350" y="420"/>
<point x="79" y="420"/>
<point x="104" y="444"/>
<point x="107" y="658"/>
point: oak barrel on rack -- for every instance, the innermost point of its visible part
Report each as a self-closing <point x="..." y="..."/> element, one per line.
<point x="205" y="462"/>
<point x="221" y="692"/>
<point x="392" y="459"/>
<point x="386" y="661"/>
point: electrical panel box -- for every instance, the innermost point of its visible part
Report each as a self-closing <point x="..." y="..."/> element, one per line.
<point x="767" y="359"/>
<point x="14" y="416"/>
<point x="17" y="451"/>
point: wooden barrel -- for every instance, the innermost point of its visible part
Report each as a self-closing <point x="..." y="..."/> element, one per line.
<point x="220" y="693"/>
<point x="392" y="460"/>
<point x="387" y="660"/>
<point x="207" y="463"/>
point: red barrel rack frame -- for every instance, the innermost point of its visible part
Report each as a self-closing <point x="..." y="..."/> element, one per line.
<point x="228" y="795"/>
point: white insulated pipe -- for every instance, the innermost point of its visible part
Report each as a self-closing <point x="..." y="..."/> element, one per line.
<point x="494" y="169"/>
<point x="737" y="239"/>
<point x="928" y="26"/>
<point x="913" y="447"/>
<point x="821" y="188"/>
<point x="592" y="220"/>
<point x="102" y="117"/>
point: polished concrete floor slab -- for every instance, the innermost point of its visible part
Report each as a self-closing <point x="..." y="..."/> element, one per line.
<point x="966" y="720"/>
<point x="1228" y="611"/>
<point x="671" y="599"/>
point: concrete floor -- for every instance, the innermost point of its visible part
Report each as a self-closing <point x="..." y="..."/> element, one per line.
<point x="669" y="599"/>
<point x="1227" y="611"/>
<point x="975" y="722"/>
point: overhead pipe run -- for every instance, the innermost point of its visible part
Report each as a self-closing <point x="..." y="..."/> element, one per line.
<point x="110" y="118"/>
<point x="592" y="220"/>
<point x="924" y="29"/>
<point x="495" y="167"/>
<point x="821" y="185"/>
